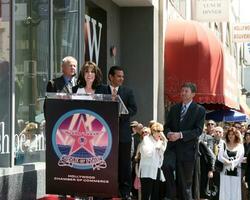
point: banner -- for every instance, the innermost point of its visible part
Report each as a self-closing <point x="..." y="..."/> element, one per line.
<point x="81" y="147"/>
<point x="210" y="10"/>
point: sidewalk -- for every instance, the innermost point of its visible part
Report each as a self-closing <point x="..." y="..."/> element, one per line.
<point x="56" y="197"/>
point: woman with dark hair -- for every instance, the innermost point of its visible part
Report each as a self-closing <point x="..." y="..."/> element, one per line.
<point x="89" y="80"/>
<point x="231" y="156"/>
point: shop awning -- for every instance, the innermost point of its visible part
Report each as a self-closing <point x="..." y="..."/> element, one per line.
<point x="193" y="53"/>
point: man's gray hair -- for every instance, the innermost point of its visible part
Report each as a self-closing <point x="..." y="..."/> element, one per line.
<point x="68" y="59"/>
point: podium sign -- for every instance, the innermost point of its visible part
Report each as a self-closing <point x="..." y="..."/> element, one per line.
<point x="81" y="146"/>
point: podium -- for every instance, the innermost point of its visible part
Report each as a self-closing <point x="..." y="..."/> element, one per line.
<point x="82" y="144"/>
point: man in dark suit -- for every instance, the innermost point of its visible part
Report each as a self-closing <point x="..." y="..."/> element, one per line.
<point x="184" y="125"/>
<point x="65" y="82"/>
<point x="116" y="78"/>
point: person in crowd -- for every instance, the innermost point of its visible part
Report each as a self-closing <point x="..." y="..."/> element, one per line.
<point x="133" y="126"/>
<point x="207" y="136"/>
<point x="237" y="125"/>
<point x="247" y="165"/>
<point x="65" y="82"/>
<point x="142" y="132"/>
<point x="89" y="80"/>
<point x="136" y="139"/>
<point x="244" y="163"/>
<point x="247" y="143"/>
<point x="184" y="125"/>
<point x="243" y="129"/>
<point x="139" y="128"/>
<point x="116" y="78"/>
<point x="152" y="150"/>
<point x="136" y="128"/>
<point x="218" y="143"/>
<point x="231" y="155"/>
<point x="204" y="169"/>
<point x="225" y="128"/>
<point x="218" y="137"/>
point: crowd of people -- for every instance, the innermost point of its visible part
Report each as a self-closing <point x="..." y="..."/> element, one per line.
<point x="228" y="143"/>
<point x="177" y="160"/>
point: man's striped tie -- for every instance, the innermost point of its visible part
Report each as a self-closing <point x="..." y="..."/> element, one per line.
<point x="183" y="112"/>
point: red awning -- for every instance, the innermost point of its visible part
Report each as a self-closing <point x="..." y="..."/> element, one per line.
<point x="193" y="53"/>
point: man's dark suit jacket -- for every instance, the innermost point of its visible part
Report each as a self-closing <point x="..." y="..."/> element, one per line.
<point x="58" y="85"/>
<point x="191" y="127"/>
<point x="128" y="99"/>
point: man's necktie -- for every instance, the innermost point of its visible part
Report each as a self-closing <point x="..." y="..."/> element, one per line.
<point x="69" y="86"/>
<point x="216" y="149"/>
<point x="183" y="112"/>
<point x="114" y="92"/>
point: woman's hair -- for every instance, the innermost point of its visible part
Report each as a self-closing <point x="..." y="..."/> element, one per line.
<point x="156" y="127"/>
<point x="98" y="74"/>
<point x="235" y="132"/>
<point x="150" y="123"/>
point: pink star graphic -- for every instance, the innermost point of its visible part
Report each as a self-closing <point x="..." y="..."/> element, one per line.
<point x="82" y="139"/>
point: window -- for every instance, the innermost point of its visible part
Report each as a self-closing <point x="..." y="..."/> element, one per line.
<point x="5" y="83"/>
<point x="31" y="77"/>
<point x="180" y="6"/>
<point x="65" y="32"/>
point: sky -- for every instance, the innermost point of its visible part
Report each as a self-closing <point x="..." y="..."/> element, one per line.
<point x="244" y="11"/>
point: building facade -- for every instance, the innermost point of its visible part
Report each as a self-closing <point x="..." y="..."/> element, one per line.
<point x="35" y="35"/>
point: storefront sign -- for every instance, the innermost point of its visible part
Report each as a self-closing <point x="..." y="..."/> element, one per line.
<point x="93" y="28"/>
<point x="23" y="142"/>
<point x="95" y="36"/>
<point x="4" y="146"/>
<point x="241" y="33"/>
<point x="5" y="140"/>
<point x="210" y="10"/>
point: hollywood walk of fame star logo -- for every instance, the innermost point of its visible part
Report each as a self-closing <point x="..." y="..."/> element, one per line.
<point x="82" y="138"/>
